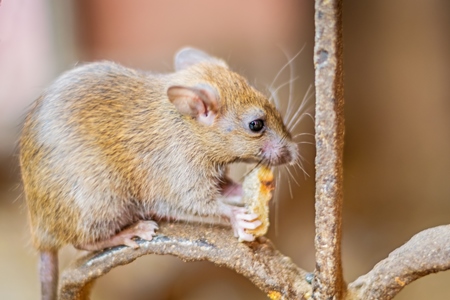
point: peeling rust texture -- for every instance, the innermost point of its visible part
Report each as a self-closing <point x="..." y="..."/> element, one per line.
<point x="328" y="282"/>
<point x="259" y="261"/>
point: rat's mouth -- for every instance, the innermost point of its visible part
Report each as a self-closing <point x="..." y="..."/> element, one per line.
<point x="230" y="189"/>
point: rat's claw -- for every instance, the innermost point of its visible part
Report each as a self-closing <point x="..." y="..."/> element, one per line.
<point x="244" y="236"/>
<point x="130" y="243"/>
<point x="242" y="220"/>
<point x="142" y="229"/>
<point x="249" y="225"/>
<point x="246" y="216"/>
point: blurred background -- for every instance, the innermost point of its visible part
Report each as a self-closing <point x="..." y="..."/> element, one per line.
<point x="397" y="110"/>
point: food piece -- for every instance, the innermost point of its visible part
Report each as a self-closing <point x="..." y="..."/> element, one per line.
<point x="258" y="186"/>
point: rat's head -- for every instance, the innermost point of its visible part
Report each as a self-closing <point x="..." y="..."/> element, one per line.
<point x="244" y="125"/>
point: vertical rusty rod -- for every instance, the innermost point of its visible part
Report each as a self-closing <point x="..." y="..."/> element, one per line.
<point x="329" y="125"/>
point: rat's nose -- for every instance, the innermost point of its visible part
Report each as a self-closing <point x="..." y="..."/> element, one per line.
<point x="289" y="152"/>
<point x="280" y="152"/>
<point x="292" y="152"/>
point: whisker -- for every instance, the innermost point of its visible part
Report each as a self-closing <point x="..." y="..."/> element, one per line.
<point x="295" y="169"/>
<point x="291" y="75"/>
<point x="310" y="116"/>
<point x="302" y="134"/>
<point x="292" y="79"/>
<point x="287" y="64"/>
<point x="300" y="165"/>
<point x="290" y="188"/>
<point x="293" y="177"/>
<point x="256" y="166"/>
<point x="274" y="96"/>
<point x="306" y="114"/>
<point x="275" y="91"/>
<point x="277" y="203"/>
<point x="304" y="101"/>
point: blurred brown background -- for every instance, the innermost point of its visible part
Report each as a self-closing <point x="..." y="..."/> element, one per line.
<point x="397" y="90"/>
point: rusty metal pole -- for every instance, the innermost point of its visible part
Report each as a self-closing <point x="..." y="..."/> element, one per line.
<point x="329" y="125"/>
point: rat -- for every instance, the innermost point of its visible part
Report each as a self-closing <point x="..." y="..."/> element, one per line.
<point x="107" y="150"/>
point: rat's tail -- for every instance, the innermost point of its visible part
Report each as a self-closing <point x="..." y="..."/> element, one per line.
<point x="48" y="272"/>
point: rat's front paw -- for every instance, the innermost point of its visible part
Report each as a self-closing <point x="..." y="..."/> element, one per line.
<point x="243" y="220"/>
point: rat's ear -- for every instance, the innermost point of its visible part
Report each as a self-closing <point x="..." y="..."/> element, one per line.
<point x="187" y="57"/>
<point x="200" y="102"/>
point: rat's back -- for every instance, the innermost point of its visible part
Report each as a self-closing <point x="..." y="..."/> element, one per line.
<point x="70" y="145"/>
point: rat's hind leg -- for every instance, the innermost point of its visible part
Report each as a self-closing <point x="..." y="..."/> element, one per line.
<point x="142" y="229"/>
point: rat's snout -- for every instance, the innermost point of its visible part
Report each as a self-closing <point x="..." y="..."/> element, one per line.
<point x="292" y="152"/>
<point x="278" y="152"/>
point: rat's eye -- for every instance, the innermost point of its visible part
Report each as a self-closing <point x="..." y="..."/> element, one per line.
<point x="256" y="125"/>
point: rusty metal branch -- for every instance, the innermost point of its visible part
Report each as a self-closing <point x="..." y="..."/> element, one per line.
<point x="425" y="253"/>
<point x="259" y="261"/>
<point x="328" y="281"/>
